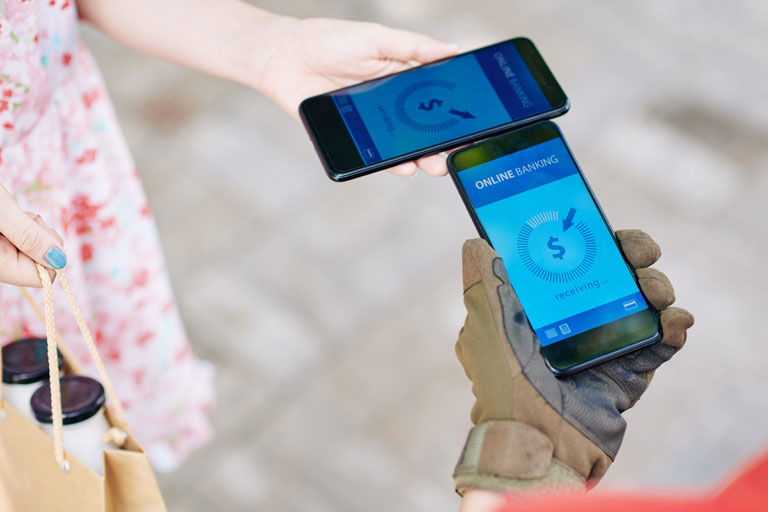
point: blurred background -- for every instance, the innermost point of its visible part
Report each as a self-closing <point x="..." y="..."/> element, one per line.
<point x="331" y="310"/>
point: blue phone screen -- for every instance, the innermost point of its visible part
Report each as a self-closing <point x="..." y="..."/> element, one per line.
<point x="439" y="102"/>
<point x="561" y="258"/>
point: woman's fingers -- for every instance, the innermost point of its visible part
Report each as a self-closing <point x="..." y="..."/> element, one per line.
<point x="28" y="236"/>
<point x="434" y="165"/>
<point x="17" y="268"/>
<point x="406" y="169"/>
<point x="406" y="46"/>
<point x="42" y="222"/>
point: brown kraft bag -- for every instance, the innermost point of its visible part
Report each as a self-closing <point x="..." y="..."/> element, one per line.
<point x="37" y="474"/>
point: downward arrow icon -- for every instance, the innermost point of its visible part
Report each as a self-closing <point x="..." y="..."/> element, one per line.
<point x="568" y="221"/>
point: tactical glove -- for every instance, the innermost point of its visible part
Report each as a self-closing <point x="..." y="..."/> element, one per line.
<point x="532" y="429"/>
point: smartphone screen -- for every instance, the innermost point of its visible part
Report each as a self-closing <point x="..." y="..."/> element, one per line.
<point x="535" y="208"/>
<point x="407" y="113"/>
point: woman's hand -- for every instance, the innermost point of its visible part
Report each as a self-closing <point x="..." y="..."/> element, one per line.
<point x="25" y="239"/>
<point x="285" y="58"/>
<point x="313" y="56"/>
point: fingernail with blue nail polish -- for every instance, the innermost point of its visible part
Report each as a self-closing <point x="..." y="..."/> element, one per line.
<point x="56" y="258"/>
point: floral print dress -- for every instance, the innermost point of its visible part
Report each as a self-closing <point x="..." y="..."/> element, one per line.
<point x="63" y="156"/>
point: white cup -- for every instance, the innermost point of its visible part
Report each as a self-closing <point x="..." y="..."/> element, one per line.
<point x="82" y="406"/>
<point x="25" y="367"/>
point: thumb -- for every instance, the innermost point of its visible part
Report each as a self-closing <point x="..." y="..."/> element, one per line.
<point x="482" y="265"/>
<point x="29" y="237"/>
<point x="406" y="46"/>
<point x="496" y="343"/>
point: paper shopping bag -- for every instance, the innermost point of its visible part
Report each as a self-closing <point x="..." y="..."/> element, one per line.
<point x="36" y="474"/>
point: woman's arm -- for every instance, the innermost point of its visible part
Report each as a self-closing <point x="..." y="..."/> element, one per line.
<point x="285" y="58"/>
<point x="226" y="38"/>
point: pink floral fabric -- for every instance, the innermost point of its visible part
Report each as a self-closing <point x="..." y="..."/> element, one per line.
<point x="63" y="156"/>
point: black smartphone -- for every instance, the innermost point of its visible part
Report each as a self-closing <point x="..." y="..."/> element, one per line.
<point x="381" y="123"/>
<point x="531" y="202"/>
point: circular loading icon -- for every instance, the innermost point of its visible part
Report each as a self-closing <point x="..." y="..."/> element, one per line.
<point x="401" y="110"/>
<point x="545" y="221"/>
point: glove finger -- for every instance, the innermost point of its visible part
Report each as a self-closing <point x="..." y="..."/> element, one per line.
<point x="675" y="323"/>
<point x="476" y="258"/>
<point x="656" y="287"/>
<point x="638" y="247"/>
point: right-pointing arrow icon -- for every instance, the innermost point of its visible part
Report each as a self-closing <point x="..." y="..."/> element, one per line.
<point x="461" y="114"/>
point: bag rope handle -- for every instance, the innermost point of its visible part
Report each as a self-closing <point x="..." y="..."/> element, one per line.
<point x="64" y="349"/>
<point x="86" y="332"/>
<point x="115" y="435"/>
<point x="53" y="370"/>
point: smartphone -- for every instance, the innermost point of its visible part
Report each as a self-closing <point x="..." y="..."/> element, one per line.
<point x="381" y="123"/>
<point x="529" y="199"/>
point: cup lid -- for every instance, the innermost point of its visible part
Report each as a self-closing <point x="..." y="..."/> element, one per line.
<point x="81" y="398"/>
<point x="26" y="361"/>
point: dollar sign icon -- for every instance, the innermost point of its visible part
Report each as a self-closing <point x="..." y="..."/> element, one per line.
<point x="555" y="247"/>
<point x="429" y="106"/>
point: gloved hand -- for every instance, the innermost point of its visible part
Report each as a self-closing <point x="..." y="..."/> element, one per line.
<point x="533" y="430"/>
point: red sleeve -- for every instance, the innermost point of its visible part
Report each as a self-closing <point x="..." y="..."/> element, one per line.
<point x="748" y="492"/>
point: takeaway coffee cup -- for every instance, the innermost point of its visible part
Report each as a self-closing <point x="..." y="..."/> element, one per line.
<point x="82" y="408"/>
<point x="25" y="367"/>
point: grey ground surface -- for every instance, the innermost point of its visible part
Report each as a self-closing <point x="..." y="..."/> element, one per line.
<point x="330" y="311"/>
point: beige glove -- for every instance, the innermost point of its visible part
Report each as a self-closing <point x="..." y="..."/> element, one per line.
<point x="532" y="429"/>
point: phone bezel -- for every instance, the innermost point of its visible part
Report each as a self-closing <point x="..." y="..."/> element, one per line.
<point x="334" y="144"/>
<point x="516" y="141"/>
